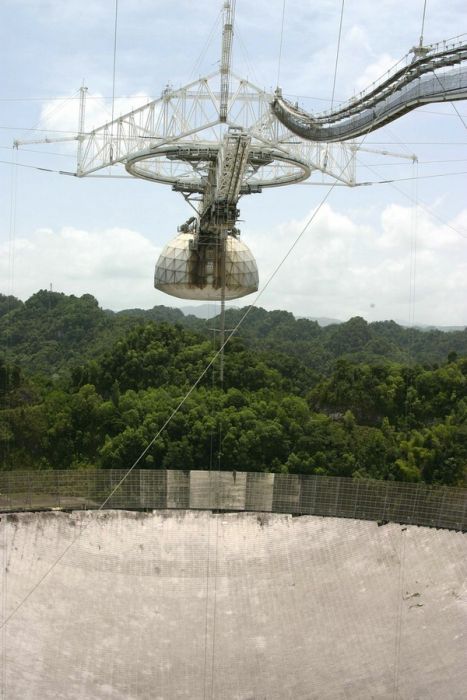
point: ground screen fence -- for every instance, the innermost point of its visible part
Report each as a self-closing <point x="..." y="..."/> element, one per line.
<point x="147" y="489"/>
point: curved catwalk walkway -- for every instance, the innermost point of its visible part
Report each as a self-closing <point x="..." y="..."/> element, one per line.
<point x="411" y="85"/>
<point x="232" y="606"/>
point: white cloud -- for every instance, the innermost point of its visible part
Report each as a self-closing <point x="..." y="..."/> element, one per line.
<point x="341" y="268"/>
<point x="402" y="224"/>
<point x="357" y="37"/>
<point x="62" y="116"/>
<point x="375" y="70"/>
<point x="115" y="265"/>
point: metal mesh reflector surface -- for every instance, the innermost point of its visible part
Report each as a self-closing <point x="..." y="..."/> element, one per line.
<point x="195" y="605"/>
<point x="190" y="273"/>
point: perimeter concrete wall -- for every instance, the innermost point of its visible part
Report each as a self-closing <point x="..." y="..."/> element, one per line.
<point x="383" y="501"/>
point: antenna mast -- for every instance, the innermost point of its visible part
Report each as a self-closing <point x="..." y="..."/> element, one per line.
<point x="226" y="57"/>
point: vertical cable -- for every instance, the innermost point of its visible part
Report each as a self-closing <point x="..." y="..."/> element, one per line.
<point x="113" y="81"/>
<point x="339" y="36"/>
<point x="280" y="46"/>
<point x="10" y="293"/>
<point x="412" y="291"/>
<point x="6" y="454"/>
<point x="398" y="631"/>
<point x="199" y="60"/>
<point x="206" y="610"/>
<point x="223" y="255"/>
<point x="423" y="24"/>
<point x="414" y="240"/>
<point x="12" y="222"/>
<point x="4" y="520"/>
<point x="337" y="55"/>
<point x="215" y="607"/>
<point x="213" y="379"/>
<point x="452" y="103"/>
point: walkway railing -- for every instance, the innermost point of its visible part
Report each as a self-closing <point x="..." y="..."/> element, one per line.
<point x="382" y="501"/>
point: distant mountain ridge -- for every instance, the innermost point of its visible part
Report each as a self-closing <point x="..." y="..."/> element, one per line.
<point x="323" y="321"/>
<point x="52" y="331"/>
<point x="207" y="311"/>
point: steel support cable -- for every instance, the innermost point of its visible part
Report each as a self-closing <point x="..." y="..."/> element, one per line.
<point x="12" y="222"/>
<point x="206" y="610"/>
<point x="222" y="239"/>
<point x="421" y="204"/>
<point x="337" y="55"/>
<point x="44" y="131"/>
<point x="208" y="561"/>
<point x="421" y="143"/>
<point x="4" y="603"/>
<point x="64" y="98"/>
<point x="411" y="300"/>
<point x="248" y="61"/>
<point x="398" y="631"/>
<point x="413" y="249"/>
<point x="113" y="79"/>
<point x="280" y="45"/>
<point x="214" y="343"/>
<point x="142" y="138"/>
<point x="423" y="24"/>
<point x="11" y="271"/>
<point x="56" y="109"/>
<point x="204" y="49"/>
<point x="206" y="623"/>
<point x="410" y="384"/>
<point x="400" y="143"/>
<point x="6" y="147"/>
<point x="420" y="162"/>
<point x="183" y="400"/>
<point x="37" y="167"/>
<point x="458" y="114"/>
<point x="6" y="453"/>
<point x="221" y="242"/>
<point x="216" y="557"/>
<point x="336" y="64"/>
<point x="405" y="179"/>
<point x="357" y="184"/>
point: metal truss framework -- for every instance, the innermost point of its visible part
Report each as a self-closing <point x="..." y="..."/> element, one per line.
<point x="174" y="138"/>
<point x="221" y="137"/>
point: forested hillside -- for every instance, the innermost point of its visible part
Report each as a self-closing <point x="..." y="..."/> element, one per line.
<point x="80" y="387"/>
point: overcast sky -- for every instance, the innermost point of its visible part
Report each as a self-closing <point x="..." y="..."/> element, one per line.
<point x="362" y="251"/>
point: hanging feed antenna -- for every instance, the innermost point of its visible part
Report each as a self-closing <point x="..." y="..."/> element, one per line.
<point x="220" y="138"/>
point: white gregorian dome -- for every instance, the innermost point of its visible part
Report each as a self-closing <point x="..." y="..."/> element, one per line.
<point x="194" y="273"/>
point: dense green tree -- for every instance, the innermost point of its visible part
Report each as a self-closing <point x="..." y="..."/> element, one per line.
<point x="80" y="386"/>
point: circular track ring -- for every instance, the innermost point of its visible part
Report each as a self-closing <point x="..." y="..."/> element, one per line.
<point x="163" y="164"/>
